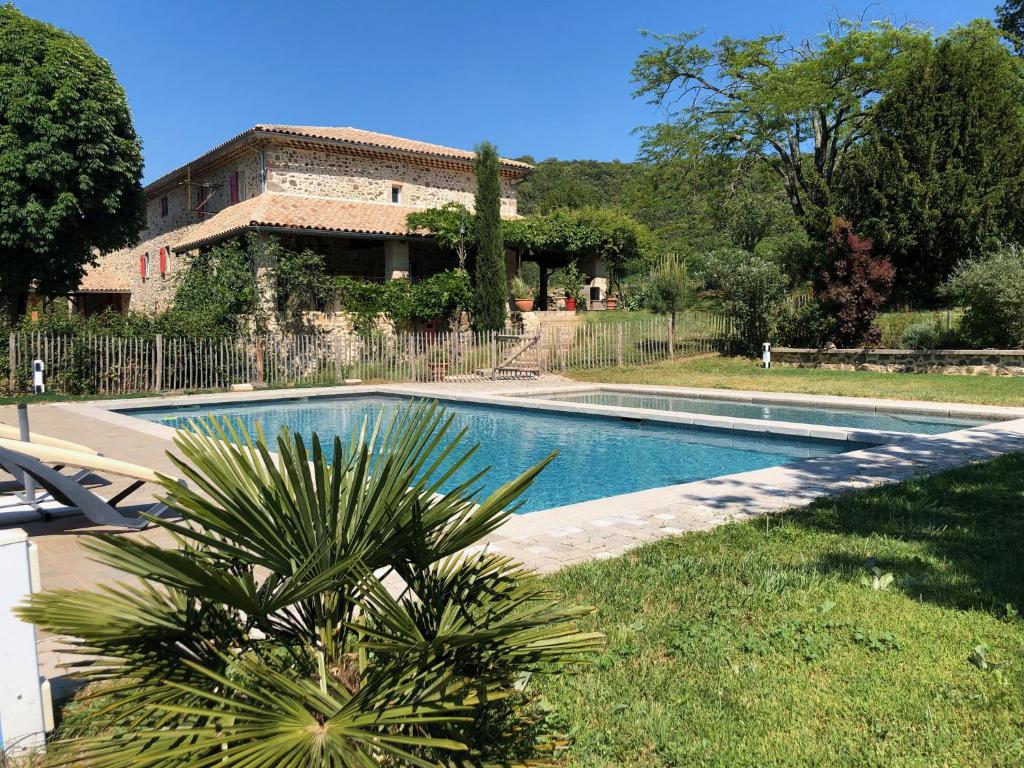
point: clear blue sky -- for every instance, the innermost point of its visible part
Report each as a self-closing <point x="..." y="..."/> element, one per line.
<point x="541" y="78"/>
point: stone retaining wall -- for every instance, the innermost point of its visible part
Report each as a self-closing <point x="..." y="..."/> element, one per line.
<point x="970" y="362"/>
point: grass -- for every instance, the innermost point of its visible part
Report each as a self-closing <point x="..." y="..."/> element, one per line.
<point x="765" y="643"/>
<point x="743" y="373"/>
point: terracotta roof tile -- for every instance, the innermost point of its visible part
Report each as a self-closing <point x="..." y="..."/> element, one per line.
<point x="383" y="140"/>
<point x="271" y="210"/>
<point x="101" y="279"/>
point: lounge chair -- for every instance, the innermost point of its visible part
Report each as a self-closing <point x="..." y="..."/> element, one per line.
<point x="14" y="433"/>
<point x="84" y="476"/>
<point x="34" y="460"/>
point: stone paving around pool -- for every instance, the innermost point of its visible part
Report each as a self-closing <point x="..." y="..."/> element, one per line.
<point x="548" y="539"/>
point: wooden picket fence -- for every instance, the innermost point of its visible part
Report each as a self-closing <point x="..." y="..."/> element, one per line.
<point x="115" y="365"/>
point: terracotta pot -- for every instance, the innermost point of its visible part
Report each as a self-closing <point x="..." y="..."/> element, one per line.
<point x="612" y="302"/>
<point x="524" y="305"/>
<point x="570" y="304"/>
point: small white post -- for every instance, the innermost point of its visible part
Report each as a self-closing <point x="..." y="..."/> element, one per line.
<point x="38" y="385"/>
<point x="766" y="355"/>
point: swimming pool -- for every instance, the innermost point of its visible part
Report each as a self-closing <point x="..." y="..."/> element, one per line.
<point x="598" y="456"/>
<point x="849" y="418"/>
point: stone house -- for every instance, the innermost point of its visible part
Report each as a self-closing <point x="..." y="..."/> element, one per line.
<point x="343" y="192"/>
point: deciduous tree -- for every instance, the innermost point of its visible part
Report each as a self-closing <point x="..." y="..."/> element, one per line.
<point x="70" y="161"/>
<point x="798" y="107"/>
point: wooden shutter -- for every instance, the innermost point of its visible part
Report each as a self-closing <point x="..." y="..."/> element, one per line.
<point x="234" y="188"/>
<point x="143" y="260"/>
<point x="163" y="261"/>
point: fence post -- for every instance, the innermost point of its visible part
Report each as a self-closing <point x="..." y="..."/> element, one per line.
<point x="494" y="356"/>
<point x="12" y="352"/>
<point x="671" y="338"/>
<point x="259" y="360"/>
<point x="618" y="345"/>
<point x="338" y="367"/>
<point x="158" y="376"/>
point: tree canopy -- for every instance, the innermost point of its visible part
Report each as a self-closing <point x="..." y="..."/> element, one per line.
<point x="1010" y="19"/>
<point x="70" y="161"/>
<point x="799" y="107"/>
<point x="602" y="232"/>
<point x="940" y="174"/>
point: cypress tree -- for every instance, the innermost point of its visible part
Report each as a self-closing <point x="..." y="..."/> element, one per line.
<point x="491" y="292"/>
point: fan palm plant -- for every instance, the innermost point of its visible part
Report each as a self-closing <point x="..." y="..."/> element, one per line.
<point x="319" y="608"/>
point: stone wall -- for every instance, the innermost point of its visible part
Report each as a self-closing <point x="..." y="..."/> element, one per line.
<point x="156" y="292"/>
<point x="349" y="176"/>
<point x="971" y="362"/>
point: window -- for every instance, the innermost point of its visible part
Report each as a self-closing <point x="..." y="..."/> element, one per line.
<point x="396" y="194"/>
<point x="163" y="205"/>
<point x="236" y="195"/>
<point x="202" y="192"/>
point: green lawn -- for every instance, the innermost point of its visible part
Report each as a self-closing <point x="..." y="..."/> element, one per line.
<point x="764" y="643"/>
<point x="743" y="373"/>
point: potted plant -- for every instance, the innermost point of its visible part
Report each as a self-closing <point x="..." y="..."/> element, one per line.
<point x="437" y="363"/>
<point x="572" y="282"/>
<point x="522" y="294"/>
<point x="612" y="301"/>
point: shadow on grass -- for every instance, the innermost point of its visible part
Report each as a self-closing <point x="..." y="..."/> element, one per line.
<point x="967" y="526"/>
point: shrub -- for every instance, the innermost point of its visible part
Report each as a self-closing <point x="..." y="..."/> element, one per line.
<point x="268" y="637"/>
<point x="991" y="290"/>
<point x="853" y="286"/>
<point x="442" y="296"/>
<point x="929" y="335"/>
<point x="217" y="289"/>
<point x="669" y="289"/>
<point x="805" y="326"/>
<point x="752" y="291"/>
<point x="439" y="297"/>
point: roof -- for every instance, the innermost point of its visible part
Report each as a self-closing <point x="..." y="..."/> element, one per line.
<point x="294" y="212"/>
<point x="101" y="279"/>
<point x="381" y="140"/>
<point x="343" y="136"/>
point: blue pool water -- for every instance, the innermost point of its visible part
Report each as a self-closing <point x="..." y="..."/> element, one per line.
<point x="832" y="417"/>
<point x="597" y="456"/>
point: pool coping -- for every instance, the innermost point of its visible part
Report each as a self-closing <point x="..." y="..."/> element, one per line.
<point x="552" y="538"/>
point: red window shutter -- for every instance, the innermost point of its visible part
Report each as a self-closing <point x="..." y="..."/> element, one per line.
<point x="234" y="187"/>
<point x="143" y="258"/>
<point x="163" y="261"/>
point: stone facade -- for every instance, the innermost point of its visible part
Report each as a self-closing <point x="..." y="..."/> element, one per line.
<point x="349" y="176"/>
<point x="286" y="166"/>
<point x="155" y="292"/>
<point x="971" y="362"/>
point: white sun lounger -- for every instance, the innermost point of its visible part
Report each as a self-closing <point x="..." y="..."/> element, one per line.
<point x="34" y="460"/>
<point x="14" y="433"/>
